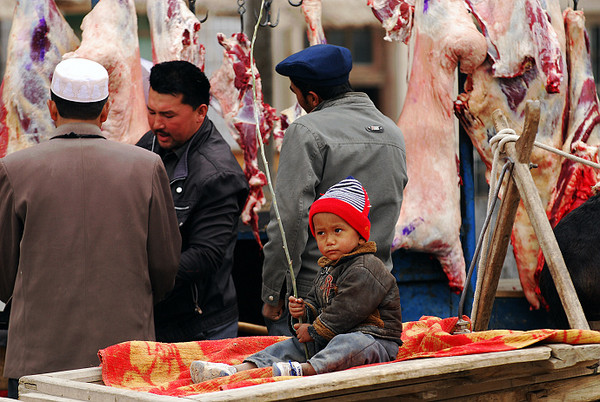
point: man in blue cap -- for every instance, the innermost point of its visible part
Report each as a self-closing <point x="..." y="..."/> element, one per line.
<point x="343" y="134"/>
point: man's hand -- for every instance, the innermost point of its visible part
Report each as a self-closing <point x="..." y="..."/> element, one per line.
<point x="296" y="307"/>
<point x="273" y="313"/>
<point x="302" y="333"/>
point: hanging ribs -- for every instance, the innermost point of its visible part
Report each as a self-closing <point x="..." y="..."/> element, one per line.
<point x="232" y="89"/>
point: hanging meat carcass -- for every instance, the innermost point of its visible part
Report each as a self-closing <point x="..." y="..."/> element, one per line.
<point x="582" y="137"/>
<point x="576" y="181"/>
<point x="511" y="75"/>
<point x="430" y="219"/>
<point x="38" y="38"/>
<point x="110" y="38"/>
<point x="232" y="88"/>
<point x="174" y="31"/>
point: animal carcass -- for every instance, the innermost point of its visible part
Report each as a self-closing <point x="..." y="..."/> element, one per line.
<point x="430" y="220"/>
<point x="232" y="86"/>
<point x="110" y="38"/>
<point x="38" y="38"/>
<point x="510" y="76"/>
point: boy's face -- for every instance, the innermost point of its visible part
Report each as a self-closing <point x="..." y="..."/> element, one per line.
<point x="335" y="237"/>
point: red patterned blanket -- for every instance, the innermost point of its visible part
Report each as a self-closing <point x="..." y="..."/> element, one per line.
<point x="163" y="368"/>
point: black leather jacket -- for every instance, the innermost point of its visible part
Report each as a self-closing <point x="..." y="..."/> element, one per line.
<point x="209" y="191"/>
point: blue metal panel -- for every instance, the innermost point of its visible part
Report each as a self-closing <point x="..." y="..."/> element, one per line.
<point x="423" y="286"/>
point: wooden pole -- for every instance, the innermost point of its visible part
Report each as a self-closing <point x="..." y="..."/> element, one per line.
<point x="492" y="264"/>
<point x="521" y="184"/>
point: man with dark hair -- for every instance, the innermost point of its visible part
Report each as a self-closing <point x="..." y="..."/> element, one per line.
<point x="209" y="190"/>
<point x="88" y="236"/>
<point x="342" y="135"/>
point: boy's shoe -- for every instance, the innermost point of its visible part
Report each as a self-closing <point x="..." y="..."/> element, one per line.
<point x="204" y="371"/>
<point x="288" y="368"/>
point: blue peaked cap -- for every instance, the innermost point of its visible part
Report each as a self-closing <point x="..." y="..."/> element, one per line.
<point x="323" y="65"/>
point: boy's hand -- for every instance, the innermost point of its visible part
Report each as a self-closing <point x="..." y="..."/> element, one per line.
<point x="302" y="333"/>
<point x="296" y="307"/>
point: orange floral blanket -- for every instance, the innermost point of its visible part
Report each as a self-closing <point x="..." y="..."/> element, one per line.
<point x="163" y="368"/>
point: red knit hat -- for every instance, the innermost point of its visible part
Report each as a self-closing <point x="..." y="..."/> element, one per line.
<point x="349" y="200"/>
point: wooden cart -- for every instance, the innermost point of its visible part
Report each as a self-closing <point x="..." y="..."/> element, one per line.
<point x="554" y="372"/>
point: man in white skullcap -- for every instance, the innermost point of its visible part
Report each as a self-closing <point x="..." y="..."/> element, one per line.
<point x="89" y="239"/>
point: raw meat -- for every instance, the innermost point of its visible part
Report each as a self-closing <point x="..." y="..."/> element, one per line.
<point x="232" y="88"/>
<point x="519" y="34"/>
<point x="312" y="15"/>
<point x="575" y="180"/>
<point x="174" y="32"/>
<point x="396" y="17"/>
<point x="38" y="38"/>
<point x="110" y="38"/>
<point x="582" y="138"/>
<point x="430" y="216"/>
<point x="486" y="92"/>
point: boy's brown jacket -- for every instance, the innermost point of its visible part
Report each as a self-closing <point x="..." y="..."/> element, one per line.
<point x="354" y="294"/>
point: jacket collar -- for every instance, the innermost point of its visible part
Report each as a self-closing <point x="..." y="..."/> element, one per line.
<point x="343" y="99"/>
<point x="77" y="128"/>
<point x="368" y="248"/>
<point x="181" y="170"/>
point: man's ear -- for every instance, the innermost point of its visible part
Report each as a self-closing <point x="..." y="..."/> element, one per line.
<point x="201" y="113"/>
<point x="104" y="113"/>
<point x="52" y="109"/>
<point x="313" y="99"/>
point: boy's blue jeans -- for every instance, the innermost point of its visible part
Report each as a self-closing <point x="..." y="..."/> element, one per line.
<point x="342" y="352"/>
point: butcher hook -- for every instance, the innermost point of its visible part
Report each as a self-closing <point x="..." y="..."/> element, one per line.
<point x="241" y="12"/>
<point x="268" y="22"/>
<point x="295" y="4"/>
<point x="192" y="4"/>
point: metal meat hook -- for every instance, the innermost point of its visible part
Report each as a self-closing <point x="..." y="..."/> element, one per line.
<point x="241" y="12"/>
<point x="295" y="4"/>
<point x="192" y="5"/>
<point x="268" y="22"/>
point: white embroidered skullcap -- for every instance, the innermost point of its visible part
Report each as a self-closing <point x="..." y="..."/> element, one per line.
<point x="80" y="80"/>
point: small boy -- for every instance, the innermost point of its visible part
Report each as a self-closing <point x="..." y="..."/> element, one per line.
<point x="351" y="316"/>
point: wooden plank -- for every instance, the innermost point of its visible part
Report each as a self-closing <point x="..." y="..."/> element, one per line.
<point x="68" y="388"/>
<point x="382" y="376"/>
<point x="420" y="379"/>
<point x="568" y="355"/>
<point x="38" y="397"/>
<point x="570" y="389"/>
